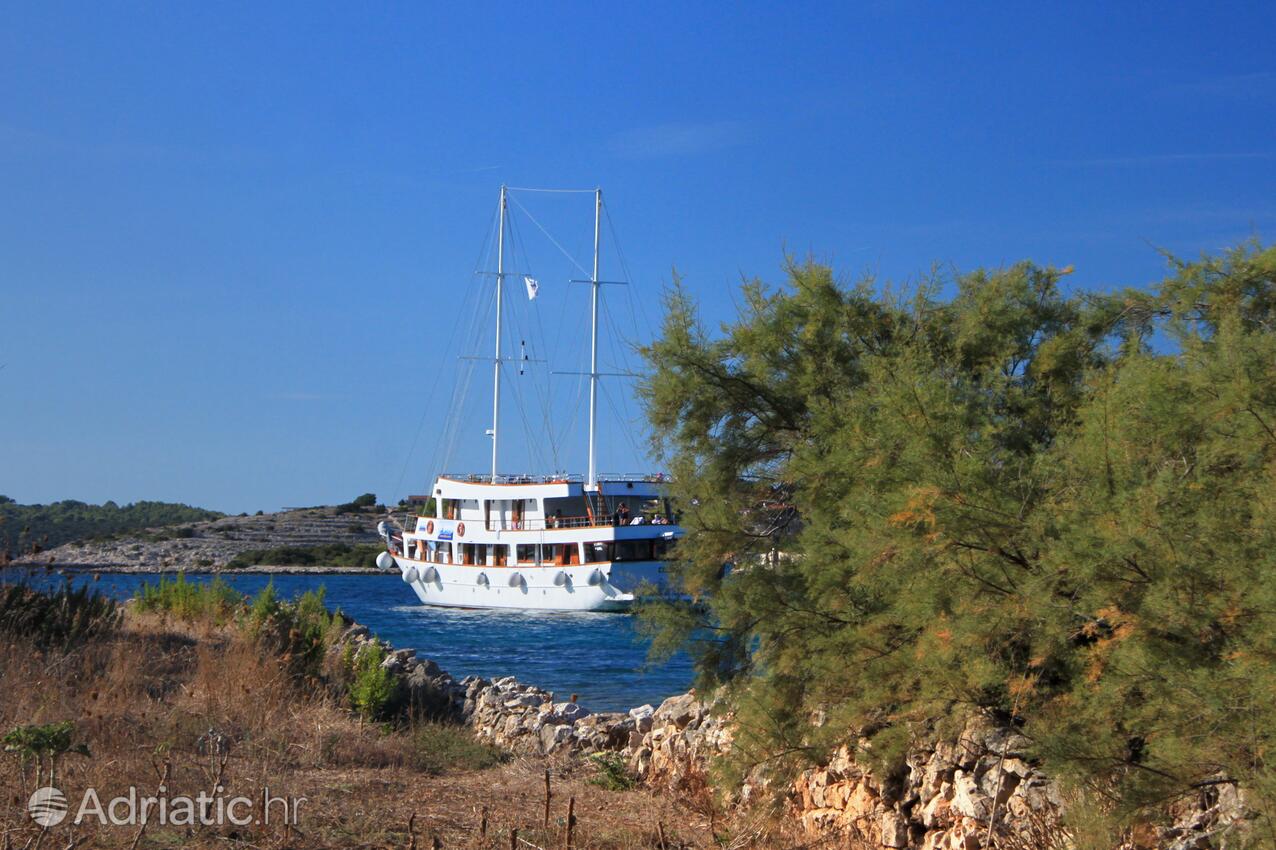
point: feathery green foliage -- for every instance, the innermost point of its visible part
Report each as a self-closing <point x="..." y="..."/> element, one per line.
<point x="371" y="685"/>
<point x="1058" y="508"/>
<point x="190" y="600"/>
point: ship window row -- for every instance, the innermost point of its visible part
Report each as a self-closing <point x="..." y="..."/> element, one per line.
<point x="557" y="512"/>
<point x="559" y="554"/>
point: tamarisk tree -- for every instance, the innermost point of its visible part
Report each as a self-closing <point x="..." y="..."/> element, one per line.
<point x="984" y="495"/>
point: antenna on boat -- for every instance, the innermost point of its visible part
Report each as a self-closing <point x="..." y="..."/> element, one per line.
<point x="496" y="363"/>
<point x="592" y="482"/>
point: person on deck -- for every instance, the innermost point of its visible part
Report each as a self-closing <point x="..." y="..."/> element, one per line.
<point x="622" y="514"/>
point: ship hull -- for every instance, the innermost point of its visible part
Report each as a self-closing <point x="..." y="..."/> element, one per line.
<point x="588" y="587"/>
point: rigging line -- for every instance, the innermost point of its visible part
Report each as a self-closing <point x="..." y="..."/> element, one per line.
<point x="407" y="461"/>
<point x="534" y="456"/>
<point x="624" y="397"/>
<point x="519" y="325"/>
<point x="543" y="395"/>
<point x="453" y="431"/>
<point x="513" y="331"/>
<point x="628" y="430"/>
<point x="552" y="191"/>
<point x="631" y="422"/>
<point x="571" y="420"/>
<point x="438" y="377"/>
<point x="580" y="336"/>
<point x="471" y="306"/>
<point x="554" y="241"/>
<point x="624" y="265"/>
<point x="485" y="249"/>
<point x="456" y="407"/>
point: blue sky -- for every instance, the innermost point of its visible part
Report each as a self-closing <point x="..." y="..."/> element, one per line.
<point x="234" y="239"/>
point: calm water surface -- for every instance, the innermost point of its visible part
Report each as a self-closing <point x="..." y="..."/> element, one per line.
<point x="598" y="656"/>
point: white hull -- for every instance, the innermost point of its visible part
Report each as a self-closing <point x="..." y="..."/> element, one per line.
<point x="587" y="587"/>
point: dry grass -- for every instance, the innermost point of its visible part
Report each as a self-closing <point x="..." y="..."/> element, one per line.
<point x="144" y="698"/>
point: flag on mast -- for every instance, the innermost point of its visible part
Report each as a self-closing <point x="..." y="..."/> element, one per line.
<point x="532" y="287"/>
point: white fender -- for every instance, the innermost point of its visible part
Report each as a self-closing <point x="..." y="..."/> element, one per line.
<point x="430" y="575"/>
<point x="561" y="578"/>
<point x="516" y="578"/>
<point x="385" y="561"/>
<point x="411" y="576"/>
<point x="482" y="579"/>
<point x="596" y="577"/>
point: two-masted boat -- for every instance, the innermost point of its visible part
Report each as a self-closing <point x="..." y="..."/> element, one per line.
<point x="555" y="543"/>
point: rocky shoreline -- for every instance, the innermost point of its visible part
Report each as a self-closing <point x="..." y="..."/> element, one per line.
<point x="957" y="793"/>
<point x="152" y="569"/>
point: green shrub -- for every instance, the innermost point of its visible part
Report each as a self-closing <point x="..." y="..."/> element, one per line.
<point x="610" y="772"/>
<point x="299" y="632"/>
<point x="371" y="686"/>
<point x="323" y="555"/>
<point x="44" y="745"/>
<point x="446" y="748"/>
<point x="214" y="600"/>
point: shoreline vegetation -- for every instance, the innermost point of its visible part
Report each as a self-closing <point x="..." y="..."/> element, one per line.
<point x="194" y="687"/>
<point x="252" y="569"/>
<point x="988" y="493"/>
<point x="318" y="539"/>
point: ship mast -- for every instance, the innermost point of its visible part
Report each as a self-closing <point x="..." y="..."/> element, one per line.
<point x="496" y="363"/>
<point x="592" y="482"/>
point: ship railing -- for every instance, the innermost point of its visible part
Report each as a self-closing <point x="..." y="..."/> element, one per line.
<point x="562" y="522"/>
<point x="645" y="477"/>
<point x="485" y="478"/>
<point x="556" y="478"/>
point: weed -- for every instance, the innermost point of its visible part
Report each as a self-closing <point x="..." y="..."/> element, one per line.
<point x="611" y="772"/>
<point x="371" y="685"/>
<point x="442" y="748"/>
<point x="191" y="601"/>
<point x="60" y="618"/>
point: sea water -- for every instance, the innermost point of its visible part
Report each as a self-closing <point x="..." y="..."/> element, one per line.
<point x="600" y="657"/>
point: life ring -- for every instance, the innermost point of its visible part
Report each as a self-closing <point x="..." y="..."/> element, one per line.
<point x="460" y="529"/>
<point x="429" y="527"/>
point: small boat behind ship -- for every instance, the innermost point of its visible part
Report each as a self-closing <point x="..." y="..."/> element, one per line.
<point x="551" y="543"/>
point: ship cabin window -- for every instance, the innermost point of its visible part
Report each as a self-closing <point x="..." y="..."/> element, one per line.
<point x="528" y="553"/>
<point x="628" y="550"/>
<point x="449" y="508"/>
<point x="499" y="554"/>
<point x="566" y="554"/>
<point x="440" y="553"/>
<point x="473" y="553"/>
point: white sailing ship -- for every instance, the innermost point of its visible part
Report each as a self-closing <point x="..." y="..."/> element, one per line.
<point x="551" y="543"/>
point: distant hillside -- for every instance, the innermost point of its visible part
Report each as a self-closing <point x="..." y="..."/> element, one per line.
<point x="318" y="537"/>
<point x="23" y="527"/>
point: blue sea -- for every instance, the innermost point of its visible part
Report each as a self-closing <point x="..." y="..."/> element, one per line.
<point x="599" y="657"/>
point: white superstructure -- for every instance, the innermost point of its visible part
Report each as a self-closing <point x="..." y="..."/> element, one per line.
<point x="558" y="543"/>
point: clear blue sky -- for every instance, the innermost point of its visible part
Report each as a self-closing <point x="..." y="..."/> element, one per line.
<point x="232" y="236"/>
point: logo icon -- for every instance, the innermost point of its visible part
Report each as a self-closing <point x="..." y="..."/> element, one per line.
<point x="47" y="806"/>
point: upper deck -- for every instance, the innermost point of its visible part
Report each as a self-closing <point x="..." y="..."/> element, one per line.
<point x="551" y="503"/>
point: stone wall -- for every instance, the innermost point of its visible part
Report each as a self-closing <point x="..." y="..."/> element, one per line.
<point x="945" y="796"/>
